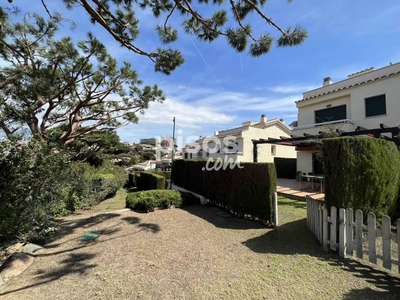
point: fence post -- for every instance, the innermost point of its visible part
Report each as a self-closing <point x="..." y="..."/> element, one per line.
<point x="359" y="233"/>
<point x="398" y="244"/>
<point x="349" y="231"/>
<point x="386" y="239"/>
<point x="308" y="211"/>
<point x="325" y="229"/>
<point x="313" y="215"/>
<point x="372" y="237"/>
<point x="333" y="231"/>
<point x="320" y="208"/>
<point x="342" y="232"/>
<point x="276" y="209"/>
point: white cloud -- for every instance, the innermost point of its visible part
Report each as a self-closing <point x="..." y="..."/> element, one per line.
<point x="213" y="110"/>
<point x="187" y="115"/>
<point x="290" y="89"/>
<point x="238" y="102"/>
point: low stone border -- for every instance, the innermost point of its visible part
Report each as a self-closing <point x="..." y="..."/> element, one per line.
<point x="20" y="257"/>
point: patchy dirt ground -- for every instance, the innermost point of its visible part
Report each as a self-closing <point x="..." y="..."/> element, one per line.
<point x="196" y="253"/>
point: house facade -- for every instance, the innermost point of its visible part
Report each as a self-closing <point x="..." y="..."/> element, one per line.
<point x="365" y="99"/>
<point x="236" y="143"/>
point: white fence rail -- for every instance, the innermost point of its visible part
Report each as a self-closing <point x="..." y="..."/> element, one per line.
<point x="344" y="232"/>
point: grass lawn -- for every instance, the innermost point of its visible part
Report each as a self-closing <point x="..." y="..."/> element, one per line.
<point x="115" y="203"/>
<point x="195" y="253"/>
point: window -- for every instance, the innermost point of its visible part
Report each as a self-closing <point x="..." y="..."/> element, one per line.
<point x="375" y="106"/>
<point x="331" y="114"/>
<point x="273" y="149"/>
<point x="231" y="148"/>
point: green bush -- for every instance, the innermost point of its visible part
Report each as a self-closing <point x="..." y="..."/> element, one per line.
<point x="149" y="181"/>
<point x="151" y="199"/>
<point x="38" y="182"/>
<point x="165" y="174"/>
<point x="90" y="185"/>
<point x="32" y="189"/>
<point x="361" y="173"/>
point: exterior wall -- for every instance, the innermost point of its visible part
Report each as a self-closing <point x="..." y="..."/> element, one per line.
<point x="304" y="161"/>
<point x="391" y="88"/>
<point x="266" y="154"/>
<point x="354" y="98"/>
<point x="372" y="83"/>
<point x="264" y="150"/>
<point x="306" y="112"/>
<point x="244" y="136"/>
<point x="237" y="156"/>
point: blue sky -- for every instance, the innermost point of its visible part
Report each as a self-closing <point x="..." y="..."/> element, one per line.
<point x="218" y="88"/>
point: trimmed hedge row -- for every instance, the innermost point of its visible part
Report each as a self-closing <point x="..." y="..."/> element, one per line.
<point x="149" y="181"/>
<point x="361" y="173"/>
<point x="149" y="200"/>
<point x="245" y="192"/>
<point x="133" y="179"/>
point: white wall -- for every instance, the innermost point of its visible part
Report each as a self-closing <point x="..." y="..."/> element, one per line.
<point x="304" y="161"/>
<point x="264" y="150"/>
<point x="354" y="98"/>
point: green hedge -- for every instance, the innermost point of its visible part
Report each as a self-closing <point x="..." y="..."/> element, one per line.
<point x="165" y="174"/>
<point x="245" y="192"/>
<point x="149" y="181"/>
<point x="361" y="173"/>
<point x="38" y="184"/>
<point x="149" y="200"/>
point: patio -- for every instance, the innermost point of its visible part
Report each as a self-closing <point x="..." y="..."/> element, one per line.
<point x="290" y="189"/>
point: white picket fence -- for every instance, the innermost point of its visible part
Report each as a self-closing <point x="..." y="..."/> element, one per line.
<point x="345" y="233"/>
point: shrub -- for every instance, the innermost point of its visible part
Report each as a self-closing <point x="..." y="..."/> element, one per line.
<point x="149" y="181"/>
<point x="90" y="185"/>
<point x="361" y="173"/>
<point x="33" y="188"/>
<point x="38" y="183"/>
<point x="151" y="199"/>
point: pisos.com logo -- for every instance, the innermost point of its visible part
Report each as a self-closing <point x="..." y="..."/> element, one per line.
<point x="218" y="152"/>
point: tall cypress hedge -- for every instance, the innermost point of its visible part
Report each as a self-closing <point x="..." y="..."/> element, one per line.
<point x="361" y="173"/>
<point x="246" y="192"/>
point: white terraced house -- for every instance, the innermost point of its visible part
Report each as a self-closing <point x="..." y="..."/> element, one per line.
<point x="365" y="99"/>
<point x="241" y="147"/>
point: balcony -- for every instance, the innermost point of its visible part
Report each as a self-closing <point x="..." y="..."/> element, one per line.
<point x="328" y="127"/>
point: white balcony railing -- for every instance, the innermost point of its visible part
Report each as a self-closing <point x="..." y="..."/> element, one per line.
<point x="344" y="121"/>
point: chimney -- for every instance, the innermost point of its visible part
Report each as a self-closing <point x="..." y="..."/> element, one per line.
<point x="327" y="81"/>
<point x="263" y="118"/>
<point x="216" y="133"/>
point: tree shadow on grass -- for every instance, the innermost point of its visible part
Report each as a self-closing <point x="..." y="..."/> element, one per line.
<point x="221" y="218"/>
<point x="66" y="227"/>
<point x="290" y="238"/>
<point x="131" y="220"/>
<point x="76" y="263"/>
<point x="389" y="285"/>
<point x="110" y="231"/>
<point x="295" y="238"/>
